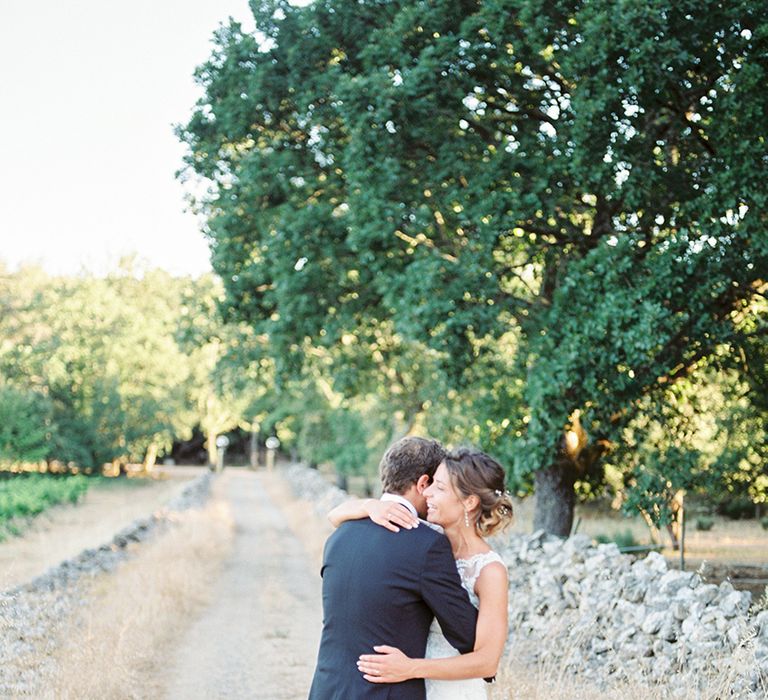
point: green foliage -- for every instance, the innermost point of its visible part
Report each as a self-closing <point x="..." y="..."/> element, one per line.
<point x="26" y="425"/>
<point x="336" y="436"/>
<point x="764" y="522"/>
<point x="27" y="495"/>
<point x="98" y="369"/>
<point x="736" y="507"/>
<point x="97" y="348"/>
<point x="438" y="177"/>
<point x="622" y="539"/>
<point x="704" y="436"/>
<point x="704" y="523"/>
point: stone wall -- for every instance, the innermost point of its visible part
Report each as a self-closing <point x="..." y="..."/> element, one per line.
<point x="609" y="617"/>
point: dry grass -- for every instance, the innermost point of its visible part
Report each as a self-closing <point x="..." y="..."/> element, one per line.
<point x="115" y="649"/>
<point x="550" y="679"/>
<point x="523" y="682"/>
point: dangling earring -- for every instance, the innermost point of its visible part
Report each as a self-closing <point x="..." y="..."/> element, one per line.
<point x="466" y="517"/>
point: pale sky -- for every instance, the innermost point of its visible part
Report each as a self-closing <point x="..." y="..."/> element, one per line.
<point x="89" y="90"/>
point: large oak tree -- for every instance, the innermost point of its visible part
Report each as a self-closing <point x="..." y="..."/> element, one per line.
<point x="585" y="177"/>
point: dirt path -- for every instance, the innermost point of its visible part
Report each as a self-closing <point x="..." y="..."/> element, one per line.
<point x="259" y="638"/>
<point x="66" y="530"/>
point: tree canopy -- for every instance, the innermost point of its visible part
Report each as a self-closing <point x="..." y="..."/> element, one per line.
<point x="571" y="193"/>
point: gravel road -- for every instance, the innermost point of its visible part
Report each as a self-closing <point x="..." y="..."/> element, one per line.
<point x="259" y="638"/>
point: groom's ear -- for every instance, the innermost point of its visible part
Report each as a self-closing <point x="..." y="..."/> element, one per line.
<point x="422" y="482"/>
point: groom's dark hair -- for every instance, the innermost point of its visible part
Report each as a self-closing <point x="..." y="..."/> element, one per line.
<point x="408" y="459"/>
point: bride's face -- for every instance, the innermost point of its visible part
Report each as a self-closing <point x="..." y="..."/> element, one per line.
<point x="444" y="507"/>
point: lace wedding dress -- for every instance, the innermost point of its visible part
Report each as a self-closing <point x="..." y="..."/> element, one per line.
<point x="438" y="646"/>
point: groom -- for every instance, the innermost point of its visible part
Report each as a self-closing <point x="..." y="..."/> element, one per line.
<point x="384" y="588"/>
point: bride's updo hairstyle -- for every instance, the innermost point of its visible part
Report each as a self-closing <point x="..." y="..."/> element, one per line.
<point x="474" y="473"/>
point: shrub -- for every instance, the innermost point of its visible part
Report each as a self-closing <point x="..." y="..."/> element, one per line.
<point x="27" y="495"/>
<point x="625" y="539"/>
<point x="764" y="522"/>
<point x="622" y="539"/>
<point x="704" y="523"/>
<point x="25" y="425"/>
<point x="737" y="507"/>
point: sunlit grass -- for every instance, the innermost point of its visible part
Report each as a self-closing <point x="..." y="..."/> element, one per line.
<point x="519" y="679"/>
<point x="116" y="647"/>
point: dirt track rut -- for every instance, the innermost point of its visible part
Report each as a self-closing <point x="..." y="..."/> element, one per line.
<point x="259" y="637"/>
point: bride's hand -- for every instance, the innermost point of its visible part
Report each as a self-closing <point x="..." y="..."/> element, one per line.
<point x="390" y="515"/>
<point x="389" y="665"/>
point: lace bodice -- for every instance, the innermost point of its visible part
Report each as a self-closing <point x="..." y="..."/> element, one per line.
<point x="438" y="646"/>
<point x="469" y="571"/>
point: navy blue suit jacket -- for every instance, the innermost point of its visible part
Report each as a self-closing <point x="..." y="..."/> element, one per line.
<point x="382" y="587"/>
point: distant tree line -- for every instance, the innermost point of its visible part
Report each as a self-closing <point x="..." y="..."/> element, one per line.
<point x="115" y="368"/>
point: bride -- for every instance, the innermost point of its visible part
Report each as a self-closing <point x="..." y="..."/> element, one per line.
<point x="467" y="499"/>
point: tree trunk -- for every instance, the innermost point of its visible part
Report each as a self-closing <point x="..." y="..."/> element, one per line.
<point x="555" y="499"/>
<point x="254" y="449"/>
<point x="674" y="541"/>
<point x="655" y="533"/>
<point x="210" y="446"/>
<point x="673" y="528"/>
<point x="150" y="458"/>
